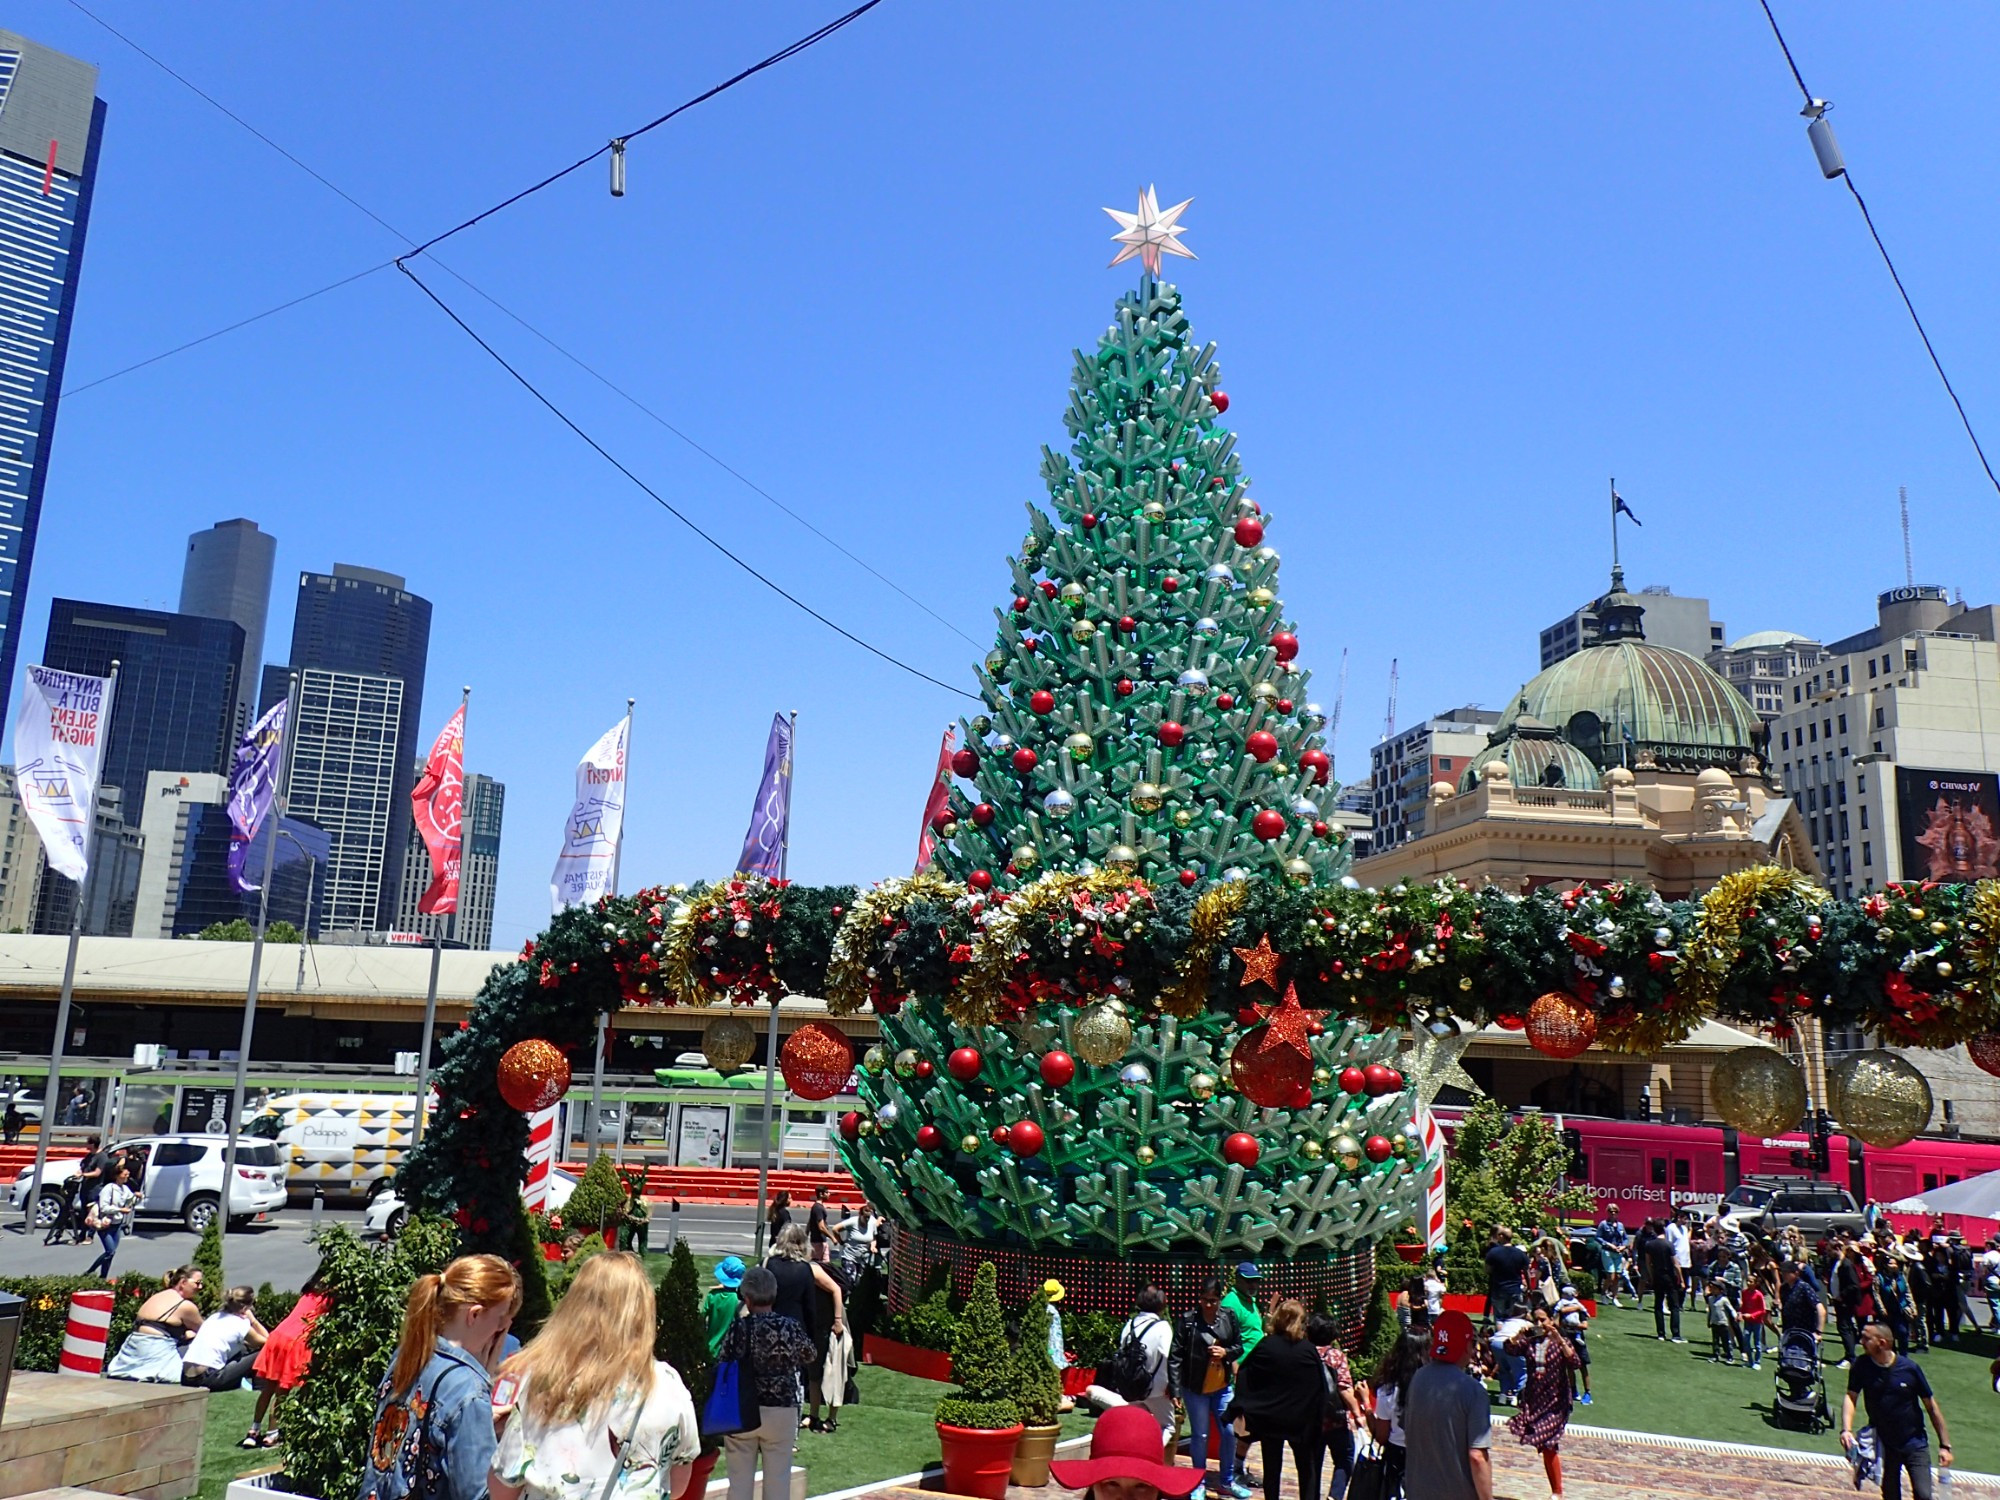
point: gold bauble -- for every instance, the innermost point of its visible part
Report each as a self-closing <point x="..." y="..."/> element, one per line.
<point x="1758" y="1090"/>
<point x="1944" y="969"/>
<point x="1311" y="1150"/>
<point x="875" y="1059"/>
<point x="906" y="1063"/>
<point x="1025" y="858"/>
<point x="864" y="1127"/>
<point x="1261" y="598"/>
<point x="968" y="1143"/>
<point x="1322" y="1077"/>
<point x="1080" y="746"/>
<point x="728" y="1042"/>
<point x="1916" y="914"/>
<point x="1265" y="692"/>
<point x="1940" y="928"/>
<point x="1145" y="1156"/>
<point x="1147" y="797"/>
<point x="1878" y="1098"/>
<point x="996" y="663"/>
<point x="1121" y="856"/>
<point x="1154" y="511"/>
<point x="1101" y="1036"/>
<point x="1348" y="1149"/>
<point x="1082" y="631"/>
<point x="1072" y="595"/>
<point x="1183" y="817"/>
<point x="1201" y="1086"/>
<point x="1298" y="869"/>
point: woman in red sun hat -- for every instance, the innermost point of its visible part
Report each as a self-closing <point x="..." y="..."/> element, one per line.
<point x="1127" y="1461"/>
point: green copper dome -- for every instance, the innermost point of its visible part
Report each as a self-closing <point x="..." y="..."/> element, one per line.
<point x="1623" y="697"/>
<point x="1534" y="760"/>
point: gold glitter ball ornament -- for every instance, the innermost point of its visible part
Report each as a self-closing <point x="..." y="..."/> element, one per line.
<point x="1299" y="870"/>
<point x="1758" y="1091"/>
<point x="1878" y="1098"/>
<point x="1560" y="1025"/>
<point x="728" y="1042"/>
<point x="1101" y="1036"/>
<point x="533" y="1075"/>
<point x="1322" y="1077"/>
<point x="1154" y="511"/>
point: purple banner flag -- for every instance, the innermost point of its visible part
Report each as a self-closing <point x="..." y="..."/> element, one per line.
<point x="764" y="845"/>
<point x="253" y="787"/>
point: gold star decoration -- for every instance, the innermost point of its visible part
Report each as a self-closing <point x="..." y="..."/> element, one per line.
<point x="1260" y="964"/>
<point x="1430" y="1063"/>
<point x="1290" y="1023"/>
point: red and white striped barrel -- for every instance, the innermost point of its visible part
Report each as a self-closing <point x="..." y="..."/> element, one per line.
<point x="89" y="1330"/>
<point x="541" y="1153"/>
<point x="1433" y="1138"/>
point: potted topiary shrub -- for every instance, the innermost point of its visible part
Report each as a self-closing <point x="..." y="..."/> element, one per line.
<point x="1038" y="1392"/>
<point x="681" y="1339"/>
<point x="979" y="1424"/>
<point x="598" y="1202"/>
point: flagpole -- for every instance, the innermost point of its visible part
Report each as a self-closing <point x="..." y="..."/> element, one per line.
<point x="1614" y="525"/>
<point x="276" y="815"/>
<point x="603" y="1018"/>
<point x="771" y="1048"/>
<point x="437" y="933"/>
<point x="52" y="1085"/>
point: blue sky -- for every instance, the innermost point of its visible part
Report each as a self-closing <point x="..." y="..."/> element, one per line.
<point x="1462" y="263"/>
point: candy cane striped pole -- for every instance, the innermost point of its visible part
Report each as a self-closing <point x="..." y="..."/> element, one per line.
<point x="541" y="1152"/>
<point x="87" y="1333"/>
<point x="1434" y="1234"/>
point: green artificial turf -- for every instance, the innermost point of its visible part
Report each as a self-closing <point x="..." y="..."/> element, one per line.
<point x="227" y="1419"/>
<point x="1642" y="1385"/>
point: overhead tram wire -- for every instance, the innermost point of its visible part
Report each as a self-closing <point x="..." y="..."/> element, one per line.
<point x="1812" y="103"/>
<point x="604" y="453"/>
<point x="599" y="376"/>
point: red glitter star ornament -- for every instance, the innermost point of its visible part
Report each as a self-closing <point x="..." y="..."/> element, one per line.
<point x="1292" y="1024"/>
<point x="1260" y="964"/>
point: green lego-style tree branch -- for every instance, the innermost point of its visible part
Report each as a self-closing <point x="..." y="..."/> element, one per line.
<point x="1019" y="1203"/>
<point x="1124" y="1212"/>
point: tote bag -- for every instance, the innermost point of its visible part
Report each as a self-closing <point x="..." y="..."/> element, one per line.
<point x="732" y="1401"/>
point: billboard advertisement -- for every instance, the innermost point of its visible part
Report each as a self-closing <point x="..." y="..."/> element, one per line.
<point x="1951" y="824"/>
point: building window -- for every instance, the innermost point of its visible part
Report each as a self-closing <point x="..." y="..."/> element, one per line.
<point x="1843" y="825"/>
<point x="1812" y="827"/>
<point x="1861" y="786"/>
<point x="1843" y="674"/>
<point x="1826" y="727"/>
<point x="1784" y="739"/>
<point x="1847" y="861"/>
<point x="1867" y="855"/>
<point x="1795" y="693"/>
<point x="1871" y="666"/>
<point x="1843" y="723"/>
<point x="1814" y="730"/>
<point x="1885" y="664"/>
<point x="1878" y="716"/>
<point x="1864" y="817"/>
<point x="1909" y="661"/>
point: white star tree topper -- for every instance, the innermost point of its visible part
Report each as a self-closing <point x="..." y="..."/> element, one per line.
<point x="1151" y="232"/>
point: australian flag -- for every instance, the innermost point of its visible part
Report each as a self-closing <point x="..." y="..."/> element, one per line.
<point x="253" y="786"/>
<point x="764" y="845"/>
<point x="1620" y="508"/>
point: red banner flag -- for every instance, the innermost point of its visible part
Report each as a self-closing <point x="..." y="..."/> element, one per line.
<point x="437" y="802"/>
<point x="938" y="802"/>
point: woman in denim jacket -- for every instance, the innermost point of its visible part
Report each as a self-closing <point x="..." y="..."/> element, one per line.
<point x="433" y="1433"/>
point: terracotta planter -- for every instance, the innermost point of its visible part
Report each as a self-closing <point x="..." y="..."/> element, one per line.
<point x="1412" y="1255"/>
<point x="908" y="1359"/>
<point x="978" y="1461"/>
<point x="1032" y="1454"/>
<point x="697" y="1484"/>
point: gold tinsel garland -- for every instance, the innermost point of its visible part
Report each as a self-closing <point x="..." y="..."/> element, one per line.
<point x="998" y="945"/>
<point x="1981" y="943"/>
<point x="1711" y="950"/>
<point x="1214" y="910"/>
<point x="848" y="987"/>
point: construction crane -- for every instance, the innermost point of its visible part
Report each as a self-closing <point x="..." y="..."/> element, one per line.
<point x="1333" y="723"/>
<point x="1389" y="722"/>
<point x="1909" y="566"/>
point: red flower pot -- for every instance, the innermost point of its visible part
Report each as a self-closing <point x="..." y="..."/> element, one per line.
<point x="552" y="1252"/>
<point x="697" y="1484"/>
<point x="978" y="1461"/>
<point x="908" y="1359"/>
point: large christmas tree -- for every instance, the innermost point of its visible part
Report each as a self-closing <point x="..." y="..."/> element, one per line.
<point x="1146" y="748"/>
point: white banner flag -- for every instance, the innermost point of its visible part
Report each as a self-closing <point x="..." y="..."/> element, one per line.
<point x="596" y="823"/>
<point x="58" y="750"/>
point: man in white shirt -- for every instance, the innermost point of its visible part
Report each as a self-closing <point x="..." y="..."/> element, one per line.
<point x="1154" y="1337"/>
<point x="1678" y="1237"/>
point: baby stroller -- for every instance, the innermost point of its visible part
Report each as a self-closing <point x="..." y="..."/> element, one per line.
<point x="1800" y="1398"/>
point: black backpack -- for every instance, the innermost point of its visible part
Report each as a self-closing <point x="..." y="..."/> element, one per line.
<point x="1130" y="1370"/>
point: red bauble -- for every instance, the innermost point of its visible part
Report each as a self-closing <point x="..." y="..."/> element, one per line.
<point x="1352" y="1080"/>
<point x="1377" y="1148"/>
<point x="1042" y="701"/>
<point x="982" y="813"/>
<point x="1249" y="531"/>
<point x="1025" y="760"/>
<point x="999" y="1135"/>
<point x="1241" y="1150"/>
<point x="1170" y="583"/>
<point x="1985" y="1051"/>
<point x="979" y="880"/>
<point x="1268" y="824"/>
<point x="1321" y="829"/>
<point x="1020" y="604"/>
<point x="850" y="1125"/>
<point x="942" y="819"/>
<point x="533" y="1075"/>
<point x="1284" y="705"/>
<point x="1057" y="1069"/>
<point x="1285" y="644"/>
<point x="1127" y="624"/>
<point x="1225" y="701"/>
<point x="1319" y="763"/>
<point x="1124" y="687"/>
<point x="1220" y="400"/>
<point x="1509" y="1023"/>
<point x="1048" y="589"/>
<point x="964" y="1064"/>
<point x="1262" y="745"/>
<point x="1024" y="1138"/>
<point x="925" y="1067"/>
<point x="930" y="1138"/>
<point x="965" y="763"/>
<point x="816" y="1060"/>
<point x="1089" y="521"/>
<point x="1560" y="1025"/>
<point x="1188" y="877"/>
<point x="1380" y="1078"/>
<point x="1171" y="733"/>
<point x="1029" y="643"/>
<point x="1268" y="1070"/>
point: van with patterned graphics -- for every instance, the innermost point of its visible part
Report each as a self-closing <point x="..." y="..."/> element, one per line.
<point x="347" y="1145"/>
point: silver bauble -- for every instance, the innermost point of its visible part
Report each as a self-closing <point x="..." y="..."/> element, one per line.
<point x="1059" y="804"/>
<point x="1135" y="1075"/>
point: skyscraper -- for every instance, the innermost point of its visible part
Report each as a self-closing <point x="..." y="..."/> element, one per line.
<point x="360" y="622"/>
<point x="478" y="871"/>
<point x="51" y="124"/>
<point x="346" y="762"/>
<point x="227" y="576"/>
<point x="175" y="706"/>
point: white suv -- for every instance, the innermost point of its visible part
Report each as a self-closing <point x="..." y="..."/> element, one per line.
<point x="183" y="1180"/>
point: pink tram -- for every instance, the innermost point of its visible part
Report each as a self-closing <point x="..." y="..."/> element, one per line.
<point x="1644" y="1169"/>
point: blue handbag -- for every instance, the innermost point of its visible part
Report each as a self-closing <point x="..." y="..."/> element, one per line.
<point x="732" y="1402"/>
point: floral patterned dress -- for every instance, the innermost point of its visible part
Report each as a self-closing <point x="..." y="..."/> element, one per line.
<point x="572" y="1460"/>
<point x="1545" y="1401"/>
